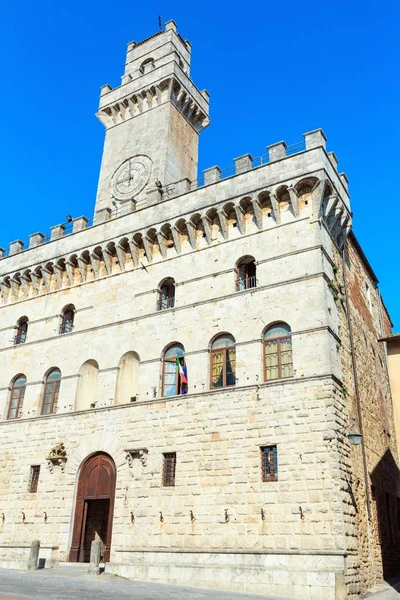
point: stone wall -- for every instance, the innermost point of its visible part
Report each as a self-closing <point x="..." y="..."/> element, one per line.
<point x="371" y="529"/>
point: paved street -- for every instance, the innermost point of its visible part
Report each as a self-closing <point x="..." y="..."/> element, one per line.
<point x="73" y="583"/>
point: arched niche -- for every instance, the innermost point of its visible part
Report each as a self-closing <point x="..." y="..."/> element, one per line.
<point x="86" y="392"/>
<point x="127" y="378"/>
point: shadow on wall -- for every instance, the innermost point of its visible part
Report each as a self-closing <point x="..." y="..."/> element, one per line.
<point x="385" y="492"/>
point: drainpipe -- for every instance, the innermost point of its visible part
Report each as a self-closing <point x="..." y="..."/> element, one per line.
<point x="356" y="388"/>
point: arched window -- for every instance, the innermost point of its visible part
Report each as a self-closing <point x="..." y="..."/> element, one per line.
<point x="86" y="392"/>
<point x="22" y="330"/>
<point x="278" y="356"/>
<point x="51" y="390"/>
<point x="127" y="378"/>
<point x="246" y="273"/>
<point x="166" y="294"/>
<point x="67" y="319"/>
<point x="174" y="376"/>
<point x="223" y="361"/>
<point x="17" y="394"/>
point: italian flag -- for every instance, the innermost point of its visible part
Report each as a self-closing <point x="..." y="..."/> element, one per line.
<point x="182" y="371"/>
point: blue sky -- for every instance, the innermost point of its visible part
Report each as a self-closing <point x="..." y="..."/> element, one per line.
<point x="274" y="71"/>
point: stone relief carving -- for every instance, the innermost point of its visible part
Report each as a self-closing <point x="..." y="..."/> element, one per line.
<point x="136" y="454"/>
<point x="57" y="457"/>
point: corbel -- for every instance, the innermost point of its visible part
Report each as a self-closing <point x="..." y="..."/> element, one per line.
<point x="148" y="247"/>
<point x="161" y="243"/>
<point x="149" y="98"/>
<point x="14" y="288"/>
<point x="275" y="208"/>
<point x="70" y="271"/>
<point x="223" y="223"/>
<point x="47" y="278"/>
<point x="294" y="200"/>
<point x="239" y="216"/>
<point x="35" y="278"/>
<point x="82" y="264"/>
<point x="58" y="271"/>
<point x="257" y="212"/>
<point x="336" y="222"/>
<point x="25" y="281"/>
<point x="95" y="262"/>
<point x="133" y="247"/>
<point x="331" y="206"/>
<point x="158" y="94"/>
<point x="177" y="240"/>
<point x="207" y="228"/>
<point x="4" y="291"/>
<point x="346" y="226"/>
<point x="121" y="253"/>
<point x="192" y="234"/>
<point x="140" y="103"/>
<point x="107" y="260"/>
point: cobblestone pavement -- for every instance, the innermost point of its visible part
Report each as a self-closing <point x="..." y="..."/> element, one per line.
<point x="73" y="583"/>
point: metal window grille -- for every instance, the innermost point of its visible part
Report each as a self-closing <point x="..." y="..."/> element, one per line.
<point x="269" y="463"/>
<point x="169" y="466"/>
<point x="34" y="478"/>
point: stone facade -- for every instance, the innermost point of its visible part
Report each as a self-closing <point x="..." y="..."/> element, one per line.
<point x="317" y="529"/>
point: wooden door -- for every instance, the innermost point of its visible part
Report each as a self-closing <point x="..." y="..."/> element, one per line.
<point x="96" y="482"/>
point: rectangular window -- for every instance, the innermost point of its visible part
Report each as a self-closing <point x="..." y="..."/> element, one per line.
<point x="269" y="463"/>
<point x="34" y="478"/>
<point x="169" y="464"/>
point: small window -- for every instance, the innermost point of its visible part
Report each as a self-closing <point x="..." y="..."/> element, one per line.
<point x="278" y="356"/>
<point x="34" y="478"/>
<point x="174" y="378"/>
<point x="22" y="331"/>
<point x="51" y="391"/>
<point x="368" y="293"/>
<point x="269" y="463"/>
<point x="166" y="294"/>
<point x="17" y="394"/>
<point x="67" y="320"/>
<point x="169" y="465"/>
<point x="246" y="274"/>
<point x="223" y="361"/>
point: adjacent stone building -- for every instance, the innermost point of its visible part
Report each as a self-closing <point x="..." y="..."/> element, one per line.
<point x="183" y="376"/>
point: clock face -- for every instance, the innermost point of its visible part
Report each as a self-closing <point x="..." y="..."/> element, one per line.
<point x="131" y="177"/>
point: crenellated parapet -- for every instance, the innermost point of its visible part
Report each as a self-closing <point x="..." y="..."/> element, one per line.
<point x="267" y="208"/>
<point x="335" y="213"/>
<point x="167" y="90"/>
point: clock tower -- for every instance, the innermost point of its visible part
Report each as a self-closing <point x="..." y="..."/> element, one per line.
<point x="152" y="120"/>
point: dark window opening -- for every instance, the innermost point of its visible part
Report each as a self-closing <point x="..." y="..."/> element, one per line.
<point x="166" y="295"/>
<point x="269" y="463"/>
<point x="67" y="322"/>
<point x="169" y="466"/>
<point x="34" y="478"/>
<point x="22" y="332"/>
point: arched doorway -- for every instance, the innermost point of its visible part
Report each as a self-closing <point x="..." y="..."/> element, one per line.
<point x="94" y="507"/>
